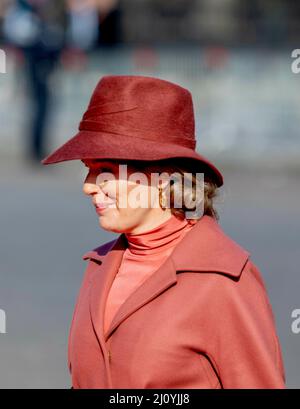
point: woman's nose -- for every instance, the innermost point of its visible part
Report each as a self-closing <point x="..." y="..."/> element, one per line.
<point x="90" y="188"/>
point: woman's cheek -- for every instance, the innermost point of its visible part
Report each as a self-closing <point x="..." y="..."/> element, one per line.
<point x="121" y="195"/>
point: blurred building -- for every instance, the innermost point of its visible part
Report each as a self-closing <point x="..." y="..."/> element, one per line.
<point x="229" y="22"/>
<point x="222" y="22"/>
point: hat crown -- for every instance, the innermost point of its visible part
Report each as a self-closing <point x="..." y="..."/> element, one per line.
<point x="151" y="107"/>
<point x="134" y="117"/>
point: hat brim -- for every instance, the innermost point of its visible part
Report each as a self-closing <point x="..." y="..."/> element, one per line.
<point x="95" y="145"/>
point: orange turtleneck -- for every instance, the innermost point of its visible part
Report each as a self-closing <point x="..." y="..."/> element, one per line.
<point x="145" y="253"/>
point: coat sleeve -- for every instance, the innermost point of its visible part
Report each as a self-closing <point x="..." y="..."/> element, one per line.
<point x="245" y="349"/>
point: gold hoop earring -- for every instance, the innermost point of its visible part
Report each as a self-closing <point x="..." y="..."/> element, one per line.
<point x="101" y="184"/>
<point x="161" y="200"/>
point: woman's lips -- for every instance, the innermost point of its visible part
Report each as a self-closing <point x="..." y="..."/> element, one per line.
<point x="102" y="206"/>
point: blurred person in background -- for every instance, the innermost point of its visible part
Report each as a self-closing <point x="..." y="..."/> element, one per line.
<point x="44" y="31"/>
<point x="88" y="22"/>
<point x="110" y="22"/>
<point x="84" y="25"/>
<point x="37" y="28"/>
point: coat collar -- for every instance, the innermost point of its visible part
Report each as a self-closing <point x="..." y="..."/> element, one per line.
<point x="205" y="248"/>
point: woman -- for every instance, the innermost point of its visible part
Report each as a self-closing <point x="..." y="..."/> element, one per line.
<point x="172" y="302"/>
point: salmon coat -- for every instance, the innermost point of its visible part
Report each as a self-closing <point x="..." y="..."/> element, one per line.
<point x="202" y="320"/>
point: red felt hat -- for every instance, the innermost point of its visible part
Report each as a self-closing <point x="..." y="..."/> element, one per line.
<point x="133" y="117"/>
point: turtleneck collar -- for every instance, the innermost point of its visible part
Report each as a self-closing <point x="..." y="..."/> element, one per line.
<point x="158" y="239"/>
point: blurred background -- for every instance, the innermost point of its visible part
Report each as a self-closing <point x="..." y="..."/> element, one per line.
<point x="235" y="58"/>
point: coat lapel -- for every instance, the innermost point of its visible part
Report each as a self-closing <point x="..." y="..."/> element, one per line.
<point x="205" y="248"/>
<point x="110" y="258"/>
<point x="152" y="287"/>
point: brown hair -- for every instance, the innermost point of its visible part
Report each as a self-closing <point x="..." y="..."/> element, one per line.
<point x="181" y="167"/>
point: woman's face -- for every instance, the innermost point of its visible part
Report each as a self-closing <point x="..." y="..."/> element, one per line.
<point x="129" y="202"/>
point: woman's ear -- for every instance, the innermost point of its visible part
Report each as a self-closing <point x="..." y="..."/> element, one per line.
<point x="163" y="184"/>
<point x="164" y="180"/>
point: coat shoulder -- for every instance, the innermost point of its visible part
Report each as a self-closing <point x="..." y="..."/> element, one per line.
<point x="99" y="252"/>
<point x="207" y="248"/>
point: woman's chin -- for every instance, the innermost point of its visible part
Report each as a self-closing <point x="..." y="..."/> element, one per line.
<point x="106" y="223"/>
